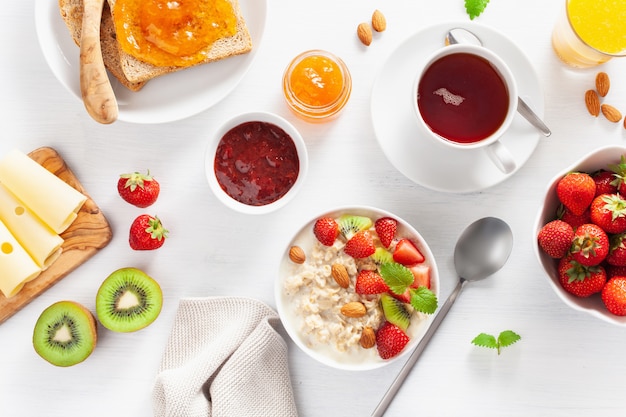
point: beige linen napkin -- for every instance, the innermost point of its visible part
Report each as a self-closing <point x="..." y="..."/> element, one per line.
<point x="224" y="358"/>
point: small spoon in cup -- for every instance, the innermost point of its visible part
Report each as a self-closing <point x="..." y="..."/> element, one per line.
<point x="482" y="249"/>
<point x="459" y="36"/>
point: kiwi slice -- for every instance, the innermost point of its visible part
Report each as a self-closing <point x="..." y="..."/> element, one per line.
<point x="382" y="256"/>
<point x="350" y="225"/>
<point x="395" y="311"/>
<point x="128" y="300"/>
<point x="65" y="333"/>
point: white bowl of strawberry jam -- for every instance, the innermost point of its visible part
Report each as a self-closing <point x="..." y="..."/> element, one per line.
<point x="256" y="162"/>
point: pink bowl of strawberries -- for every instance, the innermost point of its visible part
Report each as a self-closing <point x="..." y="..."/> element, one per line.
<point x="357" y="288"/>
<point x="580" y="232"/>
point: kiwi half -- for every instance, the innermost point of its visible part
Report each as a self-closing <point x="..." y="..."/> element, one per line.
<point x="128" y="300"/>
<point x="65" y="333"/>
<point x="350" y="225"/>
<point x="395" y="312"/>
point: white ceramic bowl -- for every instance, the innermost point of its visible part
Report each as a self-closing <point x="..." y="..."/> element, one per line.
<point x="359" y="359"/>
<point x="596" y="160"/>
<point x="215" y="139"/>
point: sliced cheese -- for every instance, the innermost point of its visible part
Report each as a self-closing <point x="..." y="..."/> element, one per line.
<point x="16" y="265"/>
<point x="41" y="242"/>
<point x="54" y="201"/>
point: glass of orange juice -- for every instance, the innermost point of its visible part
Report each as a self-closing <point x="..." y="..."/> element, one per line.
<point x="590" y="32"/>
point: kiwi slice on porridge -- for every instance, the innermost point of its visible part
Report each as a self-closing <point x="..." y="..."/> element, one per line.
<point x="382" y="256"/>
<point x="128" y="300"/>
<point x="395" y="311"/>
<point x="65" y="333"/>
<point x="350" y="225"/>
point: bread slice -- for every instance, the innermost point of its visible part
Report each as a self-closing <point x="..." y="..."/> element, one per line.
<point x="72" y="13"/>
<point x="240" y="43"/>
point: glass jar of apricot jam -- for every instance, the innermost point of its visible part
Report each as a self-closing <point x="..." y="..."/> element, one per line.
<point x="317" y="85"/>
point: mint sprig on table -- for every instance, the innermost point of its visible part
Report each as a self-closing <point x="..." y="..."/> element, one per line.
<point x="475" y="7"/>
<point x="506" y="338"/>
<point x="399" y="279"/>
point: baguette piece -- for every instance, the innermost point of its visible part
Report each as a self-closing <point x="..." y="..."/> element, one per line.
<point x="72" y="14"/>
<point x="138" y="71"/>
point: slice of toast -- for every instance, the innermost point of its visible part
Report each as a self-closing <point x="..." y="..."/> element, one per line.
<point x="138" y="71"/>
<point x="72" y="13"/>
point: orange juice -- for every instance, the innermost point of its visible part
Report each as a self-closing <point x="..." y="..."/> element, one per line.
<point x="590" y="32"/>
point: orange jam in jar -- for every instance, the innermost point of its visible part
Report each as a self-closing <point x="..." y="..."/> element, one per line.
<point x="317" y="85"/>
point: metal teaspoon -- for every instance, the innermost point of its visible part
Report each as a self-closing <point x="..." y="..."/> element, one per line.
<point x="482" y="249"/>
<point x="460" y="35"/>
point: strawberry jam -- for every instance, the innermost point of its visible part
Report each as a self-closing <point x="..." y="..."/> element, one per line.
<point x="256" y="163"/>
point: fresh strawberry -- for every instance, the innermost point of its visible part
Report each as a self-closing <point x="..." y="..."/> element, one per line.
<point x="421" y="273"/>
<point x="370" y="282"/>
<point x="604" y="180"/>
<point x="590" y="245"/>
<point x="406" y="253"/>
<point x="147" y="233"/>
<point x="615" y="270"/>
<point x="614" y="295"/>
<point x="138" y="189"/>
<point x="617" y="250"/>
<point x="390" y="340"/>
<point x="580" y="280"/>
<point x="555" y="238"/>
<point x="576" y="190"/>
<point x="386" y="228"/>
<point x="574" y="220"/>
<point x="361" y="245"/>
<point x="326" y="230"/>
<point x="609" y="212"/>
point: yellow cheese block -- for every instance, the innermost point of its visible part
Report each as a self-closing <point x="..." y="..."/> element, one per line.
<point x="54" y="201"/>
<point x="41" y="243"/>
<point x="15" y="263"/>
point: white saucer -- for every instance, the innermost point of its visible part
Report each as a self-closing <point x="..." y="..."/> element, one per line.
<point x="167" y="98"/>
<point x="402" y="138"/>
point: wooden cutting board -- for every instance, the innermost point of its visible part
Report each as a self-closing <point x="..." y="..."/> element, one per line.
<point x="88" y="233"/>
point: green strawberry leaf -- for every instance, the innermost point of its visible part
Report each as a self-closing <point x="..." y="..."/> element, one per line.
<point x="424" y="300"/>
<point x="475" y="7"/>
<point x="398" y="277"/>
<point x="505" y="338"/>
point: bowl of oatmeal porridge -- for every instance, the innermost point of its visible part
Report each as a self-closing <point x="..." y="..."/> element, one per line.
<point x="357" y="288"/>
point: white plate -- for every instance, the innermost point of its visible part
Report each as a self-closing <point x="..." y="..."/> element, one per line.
<point x="167" y="98"/>
<point x="398" y="131"/>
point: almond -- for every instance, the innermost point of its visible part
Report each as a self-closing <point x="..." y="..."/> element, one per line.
<point x="611" y="113"/>
<point x="603" y="83"/>
<point x="379" y="23"/>
<point x="364" y="32"/>
<point x="340" y="274"/>
<point x="354" y="309"/>
<point x="368" y="338"/>
<point x="592" y="101"/>
<point x="296" y="254"/>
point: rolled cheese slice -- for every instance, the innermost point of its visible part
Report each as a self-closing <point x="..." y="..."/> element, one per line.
<point x="54" y="201"/>
<point x="15" y="263"/>
<point x="41" y="242"/>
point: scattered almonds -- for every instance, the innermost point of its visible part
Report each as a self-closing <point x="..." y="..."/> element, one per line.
<point x="364" y="32"/>
<point x="340" y="274"/>
<point x="296" y="254"/>
<point x="611" y="113"/>
<point x="379" y="23"/>
<point x="592" y="101"/>
<point x="602" y="84"/>
<point x="368" y="338"/>
<point x="354" y="309"/>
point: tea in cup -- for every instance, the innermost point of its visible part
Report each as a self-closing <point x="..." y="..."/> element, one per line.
<point x="466" y="98"/>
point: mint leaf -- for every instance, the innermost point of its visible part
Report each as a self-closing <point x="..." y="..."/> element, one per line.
<point x="398" y="277"/>
<point x="475" y="7"/>
<point x="506" y="338"/>
<point x="485" y="340"/>
<point x="424" y="300"/>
